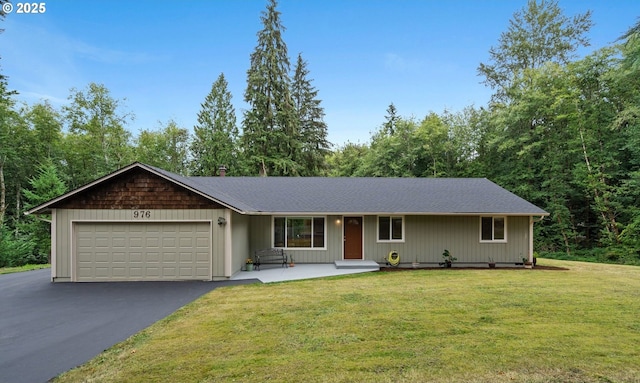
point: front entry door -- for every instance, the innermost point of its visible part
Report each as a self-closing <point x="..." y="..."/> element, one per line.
<point x="352" y="237"/>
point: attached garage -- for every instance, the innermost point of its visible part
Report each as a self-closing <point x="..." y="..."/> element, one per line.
<point x="137" y="224"/>
<point x="112" y="251"/>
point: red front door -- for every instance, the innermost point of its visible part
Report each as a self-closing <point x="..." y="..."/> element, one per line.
<point x="352" y="237"/>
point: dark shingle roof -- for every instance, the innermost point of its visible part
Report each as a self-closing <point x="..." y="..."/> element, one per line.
<point x="363" y="195"/>
<point x="315" y="195"/>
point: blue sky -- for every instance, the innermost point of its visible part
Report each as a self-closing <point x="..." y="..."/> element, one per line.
<point x="163" y="56"/>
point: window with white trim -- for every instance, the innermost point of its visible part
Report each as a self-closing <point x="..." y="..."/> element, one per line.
<point x="390" y="228"/>
<point x="493" y="229"/>
<point x="299" y="232"/>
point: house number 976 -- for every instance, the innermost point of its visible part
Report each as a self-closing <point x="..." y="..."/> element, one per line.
<point x="141" y="214"/>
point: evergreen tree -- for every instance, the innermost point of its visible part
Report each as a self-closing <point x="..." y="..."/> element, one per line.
<point x="313" y="130"/>
<point x="391" y="120"/>
<point x="44" y="187"/>
<point x="216" y="133"/>
<point x="270" y="137"/>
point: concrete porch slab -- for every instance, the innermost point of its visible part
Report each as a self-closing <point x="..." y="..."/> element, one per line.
<point x="300" y="271"/>
<point x="357" y="264"/>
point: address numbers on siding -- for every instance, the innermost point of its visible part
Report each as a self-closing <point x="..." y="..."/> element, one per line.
<point x="141" y="214"/>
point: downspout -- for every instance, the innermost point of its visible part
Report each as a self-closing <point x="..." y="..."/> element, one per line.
<point x="531" y="222"/>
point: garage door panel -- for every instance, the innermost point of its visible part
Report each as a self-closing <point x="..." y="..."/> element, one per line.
<point x="202" y="272"/>
<point x="142" y="251"/>
<point x="119" y="272"/>
<point x="135" y="272"/>
<point x="202" y="257"/>
<point x="186" y="242"/>
<point x="169" y="242"/>
<point x="119" y="242"/>
<point x="152" y="242"/>
<point x="135" y="257"/>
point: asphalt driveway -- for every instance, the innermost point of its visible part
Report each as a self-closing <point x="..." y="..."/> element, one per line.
<point x="47" y="328"/>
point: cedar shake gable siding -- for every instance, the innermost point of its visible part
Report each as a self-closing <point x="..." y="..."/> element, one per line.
<point x="137" y="189"/>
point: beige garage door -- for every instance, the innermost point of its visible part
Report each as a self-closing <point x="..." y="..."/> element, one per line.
<point x="142" y="251"/>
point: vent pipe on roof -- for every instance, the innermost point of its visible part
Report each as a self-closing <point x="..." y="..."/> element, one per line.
<point x="223" y="170"/>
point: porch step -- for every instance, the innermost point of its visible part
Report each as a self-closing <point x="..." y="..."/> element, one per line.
<point x="357" y="264"/>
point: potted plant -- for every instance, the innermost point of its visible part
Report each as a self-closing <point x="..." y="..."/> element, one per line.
<point x="249" y="264"/>
<point x="527" y="263"/>
<point x="492" y="264"/>
<point x="448" y="258"/>
<point x="291" y="264"/>
<point x="415" y="264"/>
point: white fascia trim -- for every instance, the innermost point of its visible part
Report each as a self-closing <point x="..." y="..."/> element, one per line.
<point x="306" y="213"/>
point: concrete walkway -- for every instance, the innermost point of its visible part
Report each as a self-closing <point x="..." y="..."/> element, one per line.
<point x="274" y="273"/>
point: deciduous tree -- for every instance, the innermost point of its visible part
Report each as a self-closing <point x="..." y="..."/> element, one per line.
<point x="97" y="130"/>
<point x="166" y="148"/>
<point x="537" y="34"/>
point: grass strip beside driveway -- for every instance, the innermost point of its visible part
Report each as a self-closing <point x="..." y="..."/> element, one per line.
<point x="578" y="325"/>
<point x="19" y="269"/>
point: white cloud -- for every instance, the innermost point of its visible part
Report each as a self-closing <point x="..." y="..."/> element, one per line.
<point x="43" y="63"/>
<point x="395" y="62"/>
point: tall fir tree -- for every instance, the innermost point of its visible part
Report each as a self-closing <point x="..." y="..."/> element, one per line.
<point x="216" y="133"/>
<point x="271" y="143"/>
<point x="391" y="120"/>
<point x="310" y="114"/>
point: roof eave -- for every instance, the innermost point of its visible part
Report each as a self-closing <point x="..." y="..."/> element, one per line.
<point x="356" y="213"/>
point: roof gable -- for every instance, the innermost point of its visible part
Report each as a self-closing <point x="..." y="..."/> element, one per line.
<point x="136" y="186"/>
<point x="136" y="189"/>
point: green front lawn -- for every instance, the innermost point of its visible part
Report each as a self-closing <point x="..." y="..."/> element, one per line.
<point x="18" y="269"/>
<point x="576" y="325"/>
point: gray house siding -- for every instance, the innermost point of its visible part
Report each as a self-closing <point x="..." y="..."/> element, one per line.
<point x="425" y="239"/>
<point x="240" y="240"/>
<point x="261" y="238"/>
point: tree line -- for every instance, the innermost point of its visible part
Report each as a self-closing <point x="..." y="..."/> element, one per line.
<point x="559" y="131"/>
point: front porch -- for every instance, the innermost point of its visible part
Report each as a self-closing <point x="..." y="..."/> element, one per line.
<point x="273" y="273"/>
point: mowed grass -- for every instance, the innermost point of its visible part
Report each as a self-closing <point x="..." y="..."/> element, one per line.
<point x="19" y="269"/>
<point x="576" y="325"/>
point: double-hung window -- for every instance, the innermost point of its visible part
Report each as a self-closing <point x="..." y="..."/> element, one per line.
<point x="493" y="229"/>
<point x="390" y="229"/>
<point x="299" y="232"/>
